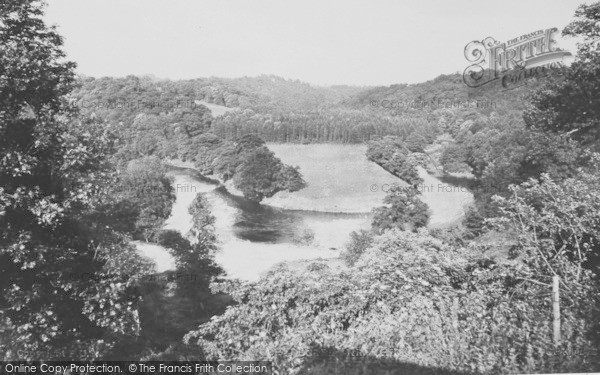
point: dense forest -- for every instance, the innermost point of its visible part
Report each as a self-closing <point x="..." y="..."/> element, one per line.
<point x="83" y="174"/>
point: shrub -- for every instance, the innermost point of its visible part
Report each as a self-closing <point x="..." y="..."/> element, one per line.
<point x="410" y="299"/>
<point x="359" y="242"/>
<point x="403" y="210"/>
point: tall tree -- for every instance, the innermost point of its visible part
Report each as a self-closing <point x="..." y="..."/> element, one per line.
<point x="63" y="283"/>
<point x="403" y="210"/>
<point x="571" y="104"/>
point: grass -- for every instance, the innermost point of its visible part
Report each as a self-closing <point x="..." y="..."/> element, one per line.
<point x="339" y="177"/>
<point x="215" y="109"/>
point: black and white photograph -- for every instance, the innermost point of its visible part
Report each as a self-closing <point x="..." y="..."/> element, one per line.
<point x="287" y="187"/>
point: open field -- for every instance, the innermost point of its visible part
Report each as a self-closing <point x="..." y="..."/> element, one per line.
<point x="339" y="177"/>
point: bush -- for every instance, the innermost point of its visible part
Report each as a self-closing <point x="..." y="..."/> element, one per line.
<point x="305" y="238"/>
<point x="359" y="242"/>
<point x="392" y="154"/>
<point x="474" y="222"/>
<point x="410" y="299"/>
<point x="454" y="159"/>
<point x="255" y="170"/>
<point x="403" y="210"/>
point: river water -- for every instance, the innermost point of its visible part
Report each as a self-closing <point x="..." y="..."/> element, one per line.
<point x="254" y="237"/>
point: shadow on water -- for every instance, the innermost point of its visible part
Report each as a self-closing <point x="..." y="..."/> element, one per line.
<point x="470" y="184"/>
<point x="175" y="170"/>
<point x="339" y="362"/>
<point x="262" y="223"/>
<point x="466" y="182"/>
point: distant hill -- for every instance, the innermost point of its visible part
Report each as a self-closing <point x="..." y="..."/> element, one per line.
<point x="162" y="116"/>
<point x="450" y="87"/>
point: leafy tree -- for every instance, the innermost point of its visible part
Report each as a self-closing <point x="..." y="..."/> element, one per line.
<point x="403" y="210"/>
<point x="586" y="26"/>
<point x="207" y="147"/>
<point x="558" y="223"/>
<point x="505" y="152"/>
<point x="407" y="292"/>
<point x="195" y="267"/>
<point x="145" y="185"/>
<point x="262" y="175"/>
<point x="65" y="284"/>
<point x="393" y="155"/>
<point x="147" y="144"/>
<point x="571" y="104"/>
<point x="202" y="230"/>
<point x="359" y="242"/>
<point x="247" y="143"/>
<point x="176" y="301"/>
<point x="454" y="159"/>
<point x="473" y="221"/>
<point x="255" y="170"/>
<point x="416" y="142"/>
<point x="139" y="199"/>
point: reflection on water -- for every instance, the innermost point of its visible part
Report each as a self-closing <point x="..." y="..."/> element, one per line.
<point x="447" y="203"/>
<point x="262" y="223"/>
<point x="254" y="237"/>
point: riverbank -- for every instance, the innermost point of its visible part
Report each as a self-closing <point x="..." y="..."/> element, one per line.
<point x="314" y="223"/>
<point x="253" y="238"/>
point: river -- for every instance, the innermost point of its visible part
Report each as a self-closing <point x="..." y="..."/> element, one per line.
<point x="295" y="226"/>
<point x="252" y="237"/>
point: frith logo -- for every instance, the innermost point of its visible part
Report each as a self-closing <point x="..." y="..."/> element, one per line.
<point x="527" y="56"/>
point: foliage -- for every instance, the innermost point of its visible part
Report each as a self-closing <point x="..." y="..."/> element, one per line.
<point x="138" y="200"/>
<point x="403" y="210"/>
<point x="255" y="170"/>
<point x="359" y="242"/>
<point x="416" y="142"/>
<point x="393" y="155"/>
<point x="202" y="233"/>
<point x="262" y="175"/>
<point x="196" y="267"/>
<point x="71" y="283"/>
<point x="454" y="159"/>
<point x="339" y="125"/>
<point x="586" y="25"/>
<point x="503" y="152"/>
<point x="474" y="222"/>
<point x="557" y="223"/>
<point x="174" y="302"/>
<point x="410" y="299"/>
<point x="65" y="283"/>
<point x="570" y="104"/>
<point x="561" y="116"/>
<point x="144" y="185"/>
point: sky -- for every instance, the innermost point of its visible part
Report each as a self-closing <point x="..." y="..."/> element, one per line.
<point x="322" y="42"/>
